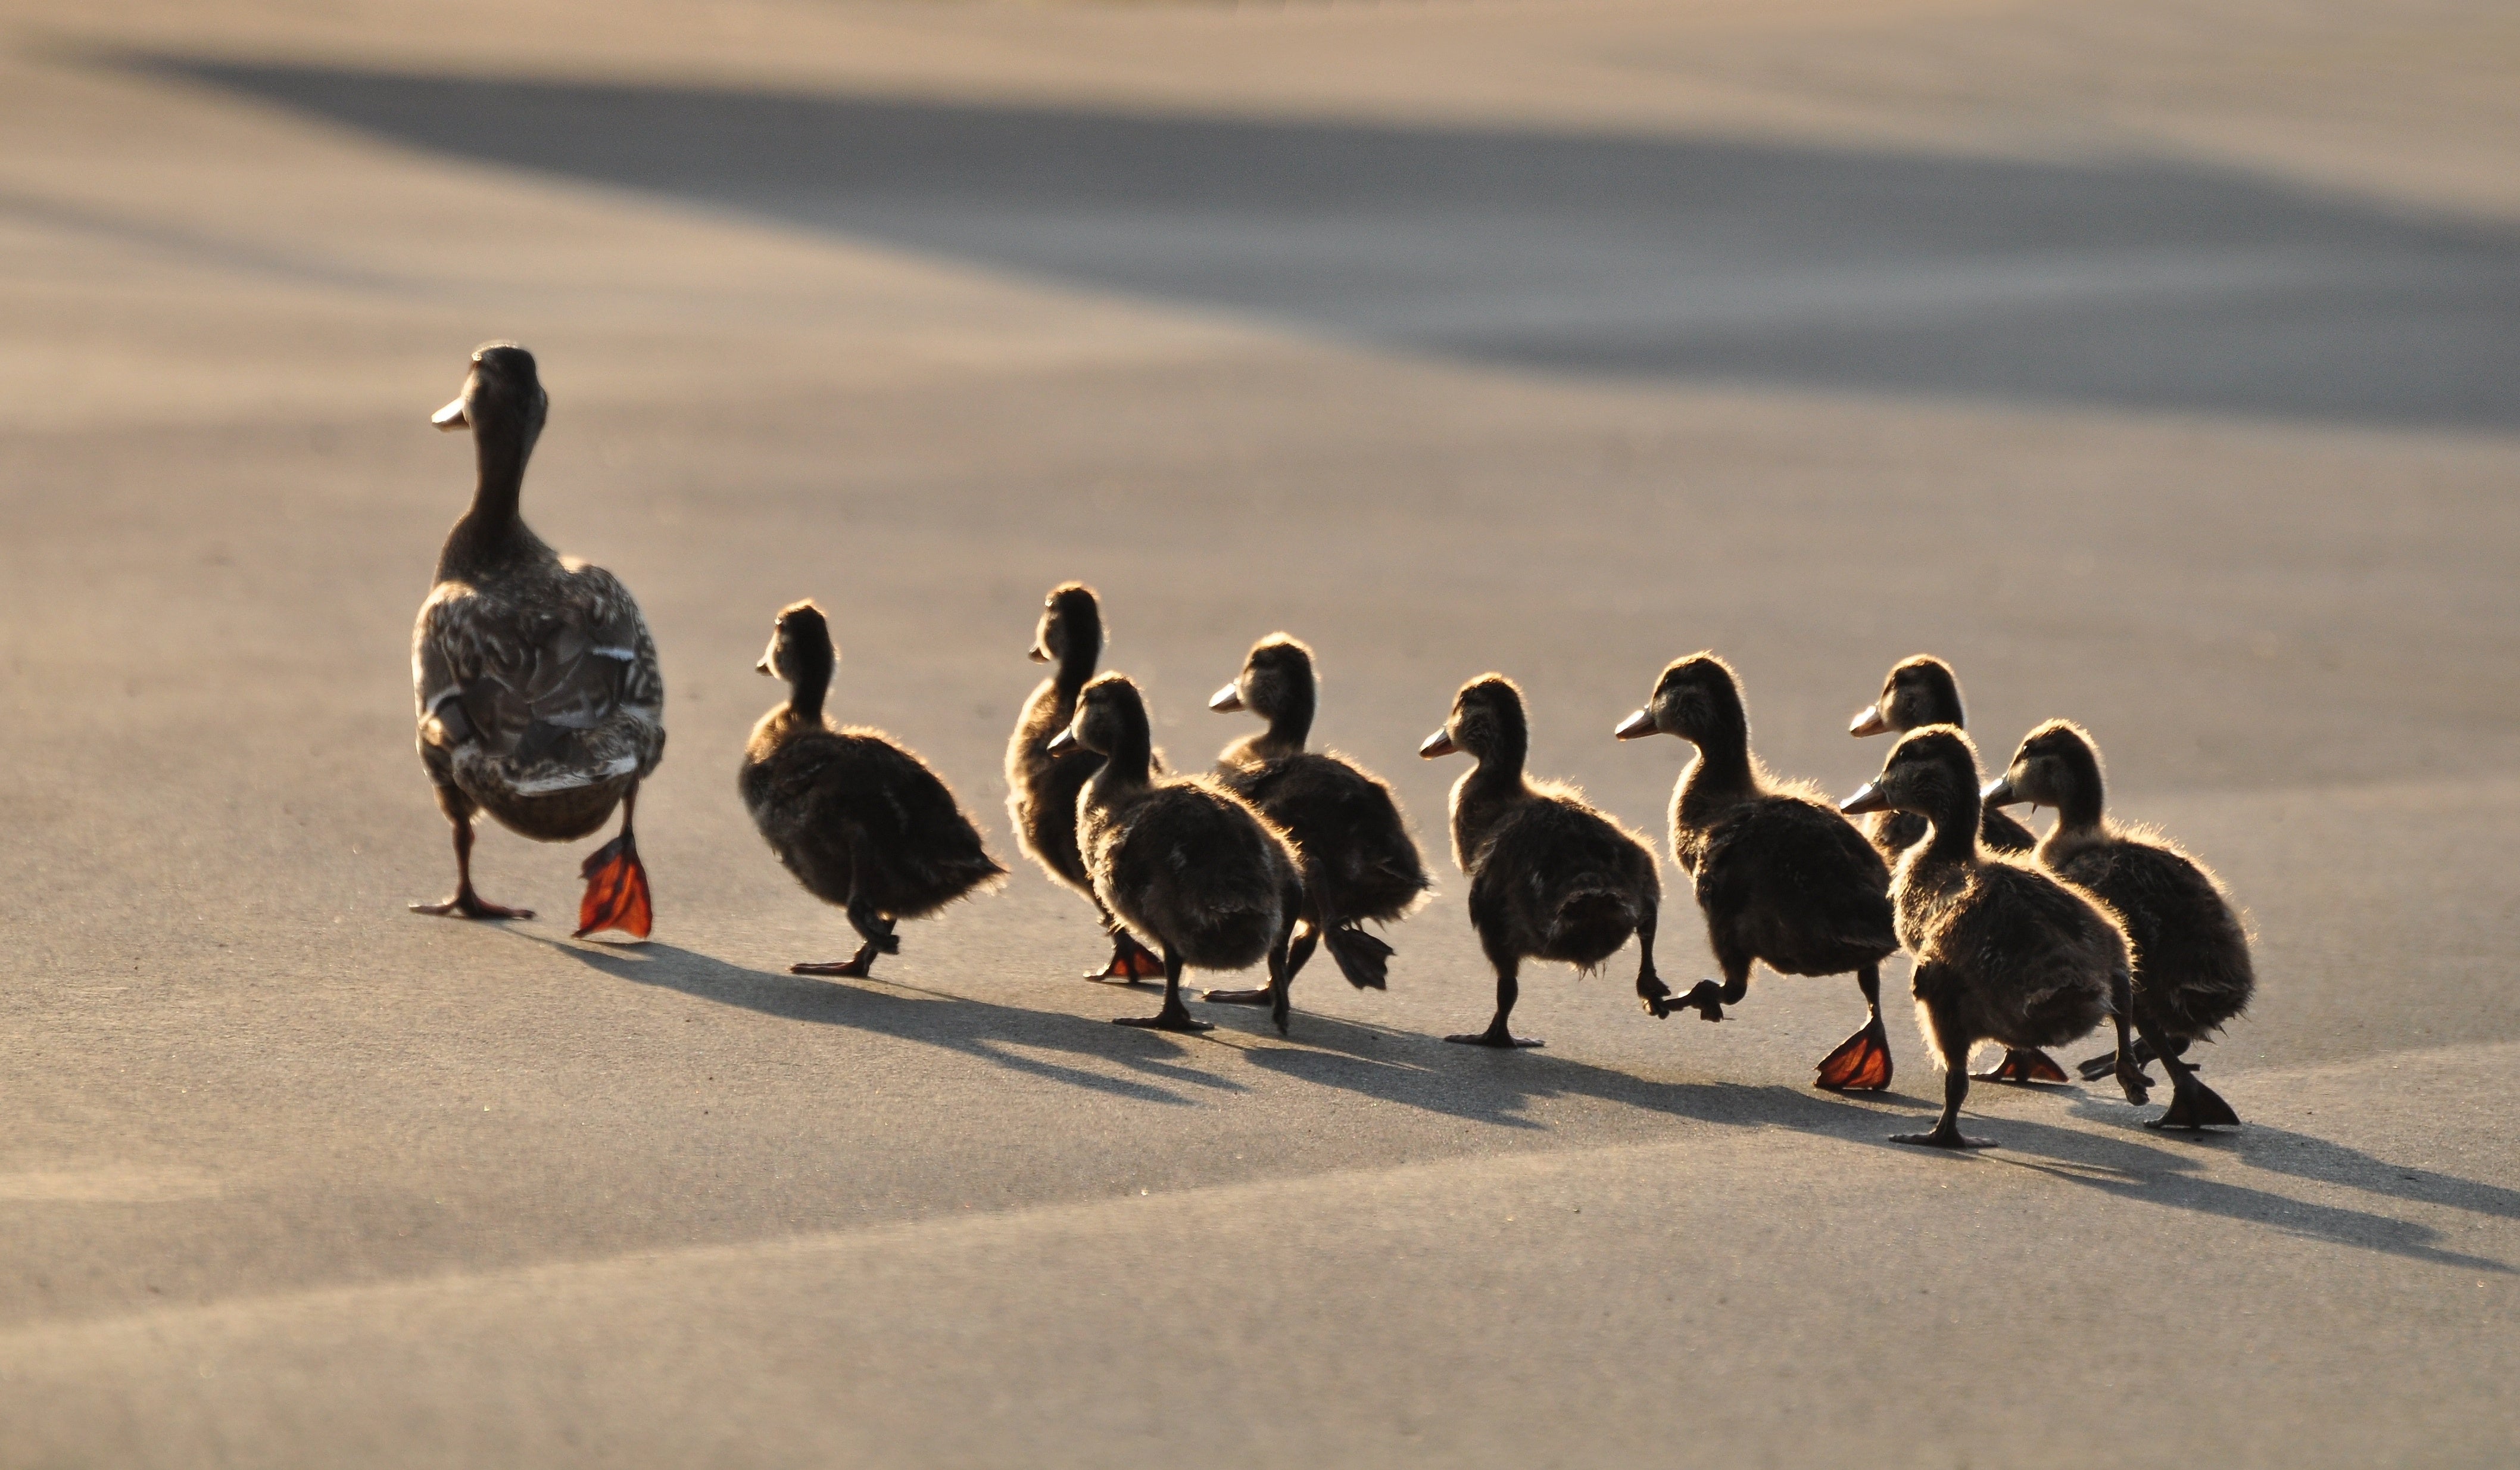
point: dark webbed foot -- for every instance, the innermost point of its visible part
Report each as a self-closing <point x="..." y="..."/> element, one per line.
<point x="1861" y="1063"/>
<point x="1656" y="997"/>
<point x="1174" y="1017"/>
<point x="1495" y="1036"/>
<point x="859" y="967"/>
<point x="2196" y="1107"/>
<point x="1706" y="997"/>
<point x="2023" y="1066"/>
<point x="467" y="904"/>
<point x="1944" y="1136"/>
<point x="616" y="891"/>
<point x="1260" y="997"/>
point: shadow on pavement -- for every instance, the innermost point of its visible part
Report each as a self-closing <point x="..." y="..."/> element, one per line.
<point x="2138" y="283"/>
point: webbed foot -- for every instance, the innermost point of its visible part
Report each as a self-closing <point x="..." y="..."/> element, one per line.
<point x="1173" y="1017"/>
<point x="616" y="891"/>
<point x="1260" y="997"/>
<point x="1495" y="1036"/>
<point x="1706" y="997"/>
<point x="1131" y="963"/>
<point x="1943" y="1136"/>
<point x="1861" y="1063"/>
<point x="467" y="904"/>
<point x="2024" y="1067"/>
<point x="2196" y="1107"/>
<point x="1656" y="996"/>
<point x="857" y="967"/>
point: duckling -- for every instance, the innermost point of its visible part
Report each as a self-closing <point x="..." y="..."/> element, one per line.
<point x="1922" y="691"/>
<point x="1551" y="877"/>
<point x="1180" y="858"/>
<point x="1042" y="787"/>
<point x="2005" y="950"/>
<point x="540" y="700"/>
<point x="1360" y="861"/>
<point x="862" y="822"/>
<point x="1780" y="875"/>
<point x="2192" y="972"/>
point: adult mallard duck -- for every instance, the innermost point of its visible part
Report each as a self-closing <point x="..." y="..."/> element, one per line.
<point x="1180" y="858"/>
<point x="862" y="822"/>
<point x="1780" y="876"/>
<point x="1551" y="877"/>
<point x="540" y="701"/>
<point x="1360" y="861"/>
<point x="2192" y="971"/>
<point x="1042" y="785"/>
<point x="1922" y="691"/>
<point x="2006" y="951"/>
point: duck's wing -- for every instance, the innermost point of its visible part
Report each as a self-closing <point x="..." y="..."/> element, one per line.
<point x="558" y="681"/>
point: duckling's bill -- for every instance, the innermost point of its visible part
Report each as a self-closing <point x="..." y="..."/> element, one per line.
<point x="1636" y="727"/>
<point x="1869" y="799"/>
<point x="1869" y="722"/>
<point x="451" y="417"/>
<point x="1227" y="700"/>
<point x="1438" y="744"/>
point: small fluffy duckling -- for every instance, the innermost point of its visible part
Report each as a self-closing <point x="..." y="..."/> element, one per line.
<point x="1042" y="785"/>
<point x="1360" y="861"/>
<point x="2192" y="972"/>
<point x="862" y="822"/>
<point x="1780" y="876"/>
<point x="2006" y="951"/>
<point x="1180" y="858"/>
<point x="1551" y="877"/>
<point x="540" y="700"/>
<point x="1923" y="691"/>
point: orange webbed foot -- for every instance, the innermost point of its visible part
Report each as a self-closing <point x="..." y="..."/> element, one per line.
<point x="1861" y="1063"/>
<point x="616" y="891"/>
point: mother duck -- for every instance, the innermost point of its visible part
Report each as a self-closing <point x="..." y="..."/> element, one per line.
<point x="540" y="701"/>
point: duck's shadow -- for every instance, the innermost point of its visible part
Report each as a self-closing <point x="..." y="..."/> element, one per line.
<point x="1498" y="1090"/>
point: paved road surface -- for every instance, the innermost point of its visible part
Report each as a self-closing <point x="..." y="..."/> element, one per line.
<point x="2155" y="367"/>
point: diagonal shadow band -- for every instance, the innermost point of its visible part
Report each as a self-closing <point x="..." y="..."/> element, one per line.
<point x="2138" y="283"/>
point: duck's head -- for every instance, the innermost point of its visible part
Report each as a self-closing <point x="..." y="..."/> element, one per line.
<point x="1487" y="715"/>
<point x="2059" y="766"/>
<point x="1071" y="624"/>
<point x="1920" y="691"/>
<point x="502" y="395"/>
<point x="1111" y="713"/>
<point x="1929" y="771"/>
<point x="800" y="646"/>
<point x="1693" y="698"/>
<point x="1277" y="674"/>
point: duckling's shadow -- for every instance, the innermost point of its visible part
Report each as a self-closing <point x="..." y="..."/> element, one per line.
<point x="932" y="1018"/>
<point x="1499" y="1088"/>
<point x="2124" y="1161"/>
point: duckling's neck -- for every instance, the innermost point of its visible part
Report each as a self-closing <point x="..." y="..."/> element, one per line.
<point x="1956" y="822"/>
<point x="492" y="532"/>
<point x="1723" y="773"/>
<point x="807" y="687"/>
<point x="2081" y="818"/>
<point x="1076" y="667"/>
<point x="1130" y="761"/>
<point x="1290" y="724"/>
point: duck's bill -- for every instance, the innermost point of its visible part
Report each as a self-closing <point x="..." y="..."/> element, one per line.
<point x="761" y="666"/>
<point x="2000" y="792"/>
<point x="1869" y="799"/>
<point x="1061" y="741"/>
<point x="1636" y="727"/>
<point x="1438" y="744"/>
<point x="1869" y="722"/>
<point x="1226" y="700"/>
<point x="451" y="417"/>
<point x="1037" y="654"/>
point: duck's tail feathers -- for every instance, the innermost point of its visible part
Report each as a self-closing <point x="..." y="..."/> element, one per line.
<point x="1591" y="923"/>
<point x="1361" y="957"/>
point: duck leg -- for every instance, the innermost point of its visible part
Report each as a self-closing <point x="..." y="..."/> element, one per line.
<point x="1297" y="953"/>
<point x="1508" y="990"/>
<point x="873" y="927"/>
<point x="1649" y="986"/>
<point x="465" y="905"/>
<point x="2193" y="1106"/>
<point x="2106" y="1063"/>
<point x="616" y="882"/>
<point x="1281" y="969"/>
<point x="1950" y="1048"/>
<point x="1175" y="1016"/>
<point x="1862" y="1062"/>
<point x="2023" y="1066"/>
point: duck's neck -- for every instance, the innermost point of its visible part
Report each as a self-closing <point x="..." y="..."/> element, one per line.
<point x="1076" y="664"/>
<point x="2081" y="810"/>
<point x="1722" y="772"/>
<point x="808" y="684"/>
<point x="1290" y="724"/>
<point x="492" y="531"/>
<point x="1956" y="822"/>
<point x="1130" y="761"/>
